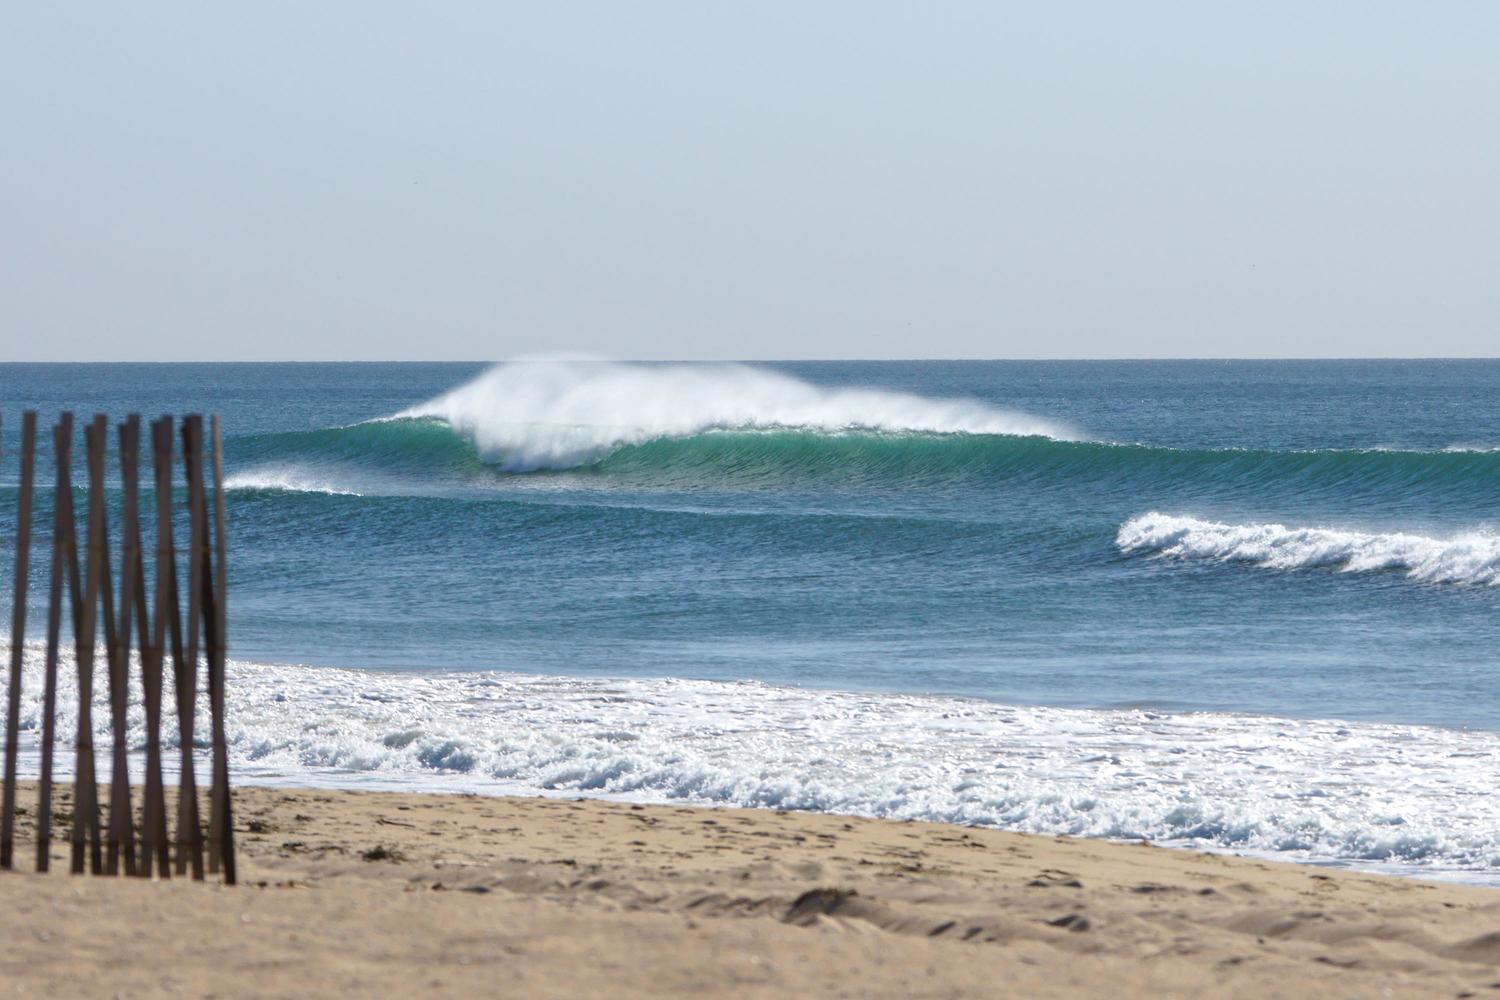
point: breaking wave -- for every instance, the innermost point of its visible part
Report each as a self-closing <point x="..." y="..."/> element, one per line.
<point x="686" y="426"/>
<point x="1471" y="557"/>
<point x="560" y="415"/>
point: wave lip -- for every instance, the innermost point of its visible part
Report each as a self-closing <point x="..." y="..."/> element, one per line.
<point x="529" y="416"/>
<point x="1471" y="557"/>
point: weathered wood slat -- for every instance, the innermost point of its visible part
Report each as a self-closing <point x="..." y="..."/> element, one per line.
<point x="63" y="557"/>
<point x="189" y="832"/>
<point x="17" y="638"/>
<point x="170" y="610"/>
<point x="86" y="832"/>
<point x="155" y="851"/>
<point x="121" y="819"/>
<point x="223" y="816"/>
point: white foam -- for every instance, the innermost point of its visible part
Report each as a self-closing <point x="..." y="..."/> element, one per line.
<point x="1471" y="557"/>
<point x="562" y="414"/>
<point x="290" y="479"/>
<point x="1397" y="798"/>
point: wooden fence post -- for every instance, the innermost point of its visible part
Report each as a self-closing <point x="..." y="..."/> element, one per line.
<point x="189" y="833"/>
<point x="121" y="824"/>
<point x="86" y="831"/>
<point x="63" y="558"/>
<point x="105" y="615"/>
<point x="153" y="651"/>
<point x="222" y="824"/>
<point x="17" y="638"/>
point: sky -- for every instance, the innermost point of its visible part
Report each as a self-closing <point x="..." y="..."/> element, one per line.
<point x="393" y="181"/>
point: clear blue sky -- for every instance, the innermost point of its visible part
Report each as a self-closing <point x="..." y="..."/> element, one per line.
<point x="357" y="180"/>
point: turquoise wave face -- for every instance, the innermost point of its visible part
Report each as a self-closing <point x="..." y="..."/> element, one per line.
<point x="426" y="456"/>
<point x="418" y="450"/>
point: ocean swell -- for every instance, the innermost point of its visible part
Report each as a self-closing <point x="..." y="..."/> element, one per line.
<point x="678" y="426"/>
<point x="424" y="456"/>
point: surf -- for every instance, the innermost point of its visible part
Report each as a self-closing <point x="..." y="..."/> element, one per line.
<point x="1470" y="557"/>
<point x="1205" y="780"/>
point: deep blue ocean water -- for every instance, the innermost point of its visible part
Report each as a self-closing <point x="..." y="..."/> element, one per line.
<point x="1298" y="540"/>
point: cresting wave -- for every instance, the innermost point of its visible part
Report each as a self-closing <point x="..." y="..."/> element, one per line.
<point x="560" y="415"/>
<point x="1379" y="795"/>
<point x="677" y="425"/>
<point x="1468" y="558"/>
<point x="636" y="420"/>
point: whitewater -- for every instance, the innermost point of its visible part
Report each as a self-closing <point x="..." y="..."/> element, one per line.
<point x="1383" y="798"/>
<point x="1471" y="557"/>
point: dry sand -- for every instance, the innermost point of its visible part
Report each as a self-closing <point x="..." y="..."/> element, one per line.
<point x="371" y="894"/>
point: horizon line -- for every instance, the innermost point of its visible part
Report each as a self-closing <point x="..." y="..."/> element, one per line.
<point x="532" y="359"/>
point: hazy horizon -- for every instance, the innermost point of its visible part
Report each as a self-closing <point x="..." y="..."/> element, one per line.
<point x="810" y="359"/>
<point x="525" y="359"/>
<point x="688" y="182"/>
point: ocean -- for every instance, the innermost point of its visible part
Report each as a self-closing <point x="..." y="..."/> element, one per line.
<point x="1233" y="605"/>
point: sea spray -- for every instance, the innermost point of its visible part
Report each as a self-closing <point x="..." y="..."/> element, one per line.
<point x="556" y="415"/>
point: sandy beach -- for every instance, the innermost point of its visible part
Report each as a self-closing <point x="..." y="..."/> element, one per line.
<point x="375" y="894"/>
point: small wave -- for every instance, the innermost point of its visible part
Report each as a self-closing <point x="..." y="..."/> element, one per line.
<point x="1468" y="558"/>
<point x="529" y="416"/>
<point x="287" y="480"/>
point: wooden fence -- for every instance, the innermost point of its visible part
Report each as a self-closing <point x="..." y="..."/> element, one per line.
<point x="118" y="606"/>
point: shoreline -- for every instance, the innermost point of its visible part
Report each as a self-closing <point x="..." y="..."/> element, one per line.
<point x="1488" y="879"/>
<point x="385" y="893"/>
<point x="1322" y="791"/>
<point x="1381" y="797"/>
